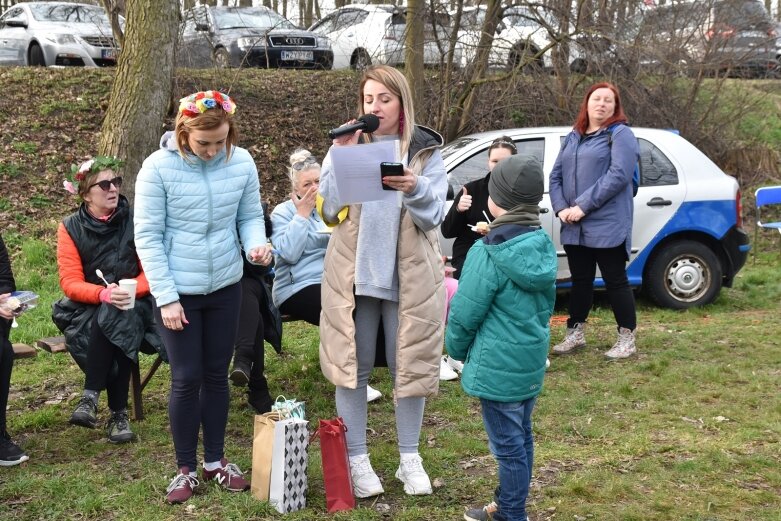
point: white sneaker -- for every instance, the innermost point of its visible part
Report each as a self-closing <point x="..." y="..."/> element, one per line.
<point x="547" y="363"/>
<point x="445" y="371"/>
<point x="372" y="394"/>
<point x="412" y="474"/>
<point x="365" y="481"/>
<point x="455" y="364"/>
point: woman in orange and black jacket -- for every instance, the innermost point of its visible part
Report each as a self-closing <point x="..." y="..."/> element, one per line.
<point x="102" y="336"/>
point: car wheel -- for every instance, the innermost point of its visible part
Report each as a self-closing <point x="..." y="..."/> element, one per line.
<point x="36" y="56"/>
<point x="221" y="58"/>
<point x="682" y="275"/>
<point x="361" y="60"/>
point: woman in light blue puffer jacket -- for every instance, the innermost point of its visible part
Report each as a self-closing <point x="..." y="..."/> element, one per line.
<point x="196" y="198"/>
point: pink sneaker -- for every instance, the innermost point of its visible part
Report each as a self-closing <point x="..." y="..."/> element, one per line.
<point x="228" y="476"/>
<point x="182" y="487"/>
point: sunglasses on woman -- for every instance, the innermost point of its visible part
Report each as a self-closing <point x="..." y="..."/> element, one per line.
<point x="300" y="165"/>
<point x="105" y="185"/>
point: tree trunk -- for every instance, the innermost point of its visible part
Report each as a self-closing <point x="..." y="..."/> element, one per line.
<point x="445" y="85"/>
<point x="413" y="51"/>
<point x="141" y="92"/>
<point x="474" y="73"/>
<point x="113" y="9"/>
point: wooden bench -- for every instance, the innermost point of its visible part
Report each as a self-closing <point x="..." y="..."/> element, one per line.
<point x="137" y="384"/>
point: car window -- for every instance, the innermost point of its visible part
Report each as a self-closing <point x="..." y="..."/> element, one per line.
<point x="198" y="16"/>
<point x="189" y="22"/>
<point x="741" y="15"/>
<point x="349" y="18"/>
<point x="477" y="165"/>
<point x="16" y="12"/>
<point x="72" y="13"/>
<point x="324" y="26"/>
<point x="655" y="168"/>
<point x="455" y="146"/>
<point x="244" y="17"/>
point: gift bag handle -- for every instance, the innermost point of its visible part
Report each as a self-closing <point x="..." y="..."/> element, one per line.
<point x="331" y="428"/>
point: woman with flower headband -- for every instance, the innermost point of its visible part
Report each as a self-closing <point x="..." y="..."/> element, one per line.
<point x="102" y="336"/>
<point x="383" y="264"/>
<point x="197" y="206"/>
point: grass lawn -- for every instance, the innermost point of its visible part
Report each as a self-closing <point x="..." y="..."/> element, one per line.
<point x="688" y="430"/>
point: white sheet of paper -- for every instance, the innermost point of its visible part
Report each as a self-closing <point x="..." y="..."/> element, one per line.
<point x="356" y="170"/>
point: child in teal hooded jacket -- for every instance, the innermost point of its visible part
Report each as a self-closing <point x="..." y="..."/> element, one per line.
<point x="499" y="326"/>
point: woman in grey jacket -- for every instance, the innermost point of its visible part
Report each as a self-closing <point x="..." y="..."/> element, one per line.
<point x="591" y="193"/>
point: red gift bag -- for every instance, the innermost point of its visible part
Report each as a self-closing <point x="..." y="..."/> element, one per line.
<point x="336" y="465"/>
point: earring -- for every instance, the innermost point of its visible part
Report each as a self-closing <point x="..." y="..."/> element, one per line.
<point x="401" y="123"/>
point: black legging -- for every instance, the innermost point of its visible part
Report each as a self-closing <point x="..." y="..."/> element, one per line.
<point x="6" y="364"/>
<point x="101" y="355"/>
<point x="583" y="263"/>
<point x="304" y="305"/>
<point x="199" y="357"/>
<point x="249" y="339"/>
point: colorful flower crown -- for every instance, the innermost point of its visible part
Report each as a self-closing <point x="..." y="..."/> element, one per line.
<point x="200" y="102"/>
<point x="94" y="165"/>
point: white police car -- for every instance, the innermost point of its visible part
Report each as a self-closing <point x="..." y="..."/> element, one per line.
<point x="687" y="239"/>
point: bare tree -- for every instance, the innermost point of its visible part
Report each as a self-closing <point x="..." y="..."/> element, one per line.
<point x="413" y="51"/>
<point x="141" y="93"/>
<point x="114" y="8"/>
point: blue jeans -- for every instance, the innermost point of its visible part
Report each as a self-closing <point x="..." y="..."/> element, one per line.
<point x="509" y="428"/>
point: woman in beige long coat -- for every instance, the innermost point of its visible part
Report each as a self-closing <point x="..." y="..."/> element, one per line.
<point x="383" y="264"/>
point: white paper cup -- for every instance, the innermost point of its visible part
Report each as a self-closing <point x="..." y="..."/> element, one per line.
<point x="129" y="285"/>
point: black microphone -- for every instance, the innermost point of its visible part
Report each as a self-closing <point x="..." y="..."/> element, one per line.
<point x="367" y="123"/>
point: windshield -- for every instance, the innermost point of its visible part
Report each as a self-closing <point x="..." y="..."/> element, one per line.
<point x="455" y="146"/>
<point x="250" y="18"/>
<point x="71" y="13"/>
<point x="743" y="15"/>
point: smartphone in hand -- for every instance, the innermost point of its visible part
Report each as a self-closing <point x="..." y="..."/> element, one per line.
<point x="388" y="169"/>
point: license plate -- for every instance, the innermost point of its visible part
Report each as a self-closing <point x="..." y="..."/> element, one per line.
<point x="108" y="54"/>
<point x="304" y="56"/>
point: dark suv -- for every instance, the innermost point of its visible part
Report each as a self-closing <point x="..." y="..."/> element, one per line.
<point x="726" y="36"/>
<point x="248" y="36"/>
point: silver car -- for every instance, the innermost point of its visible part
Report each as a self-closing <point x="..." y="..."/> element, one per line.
<point x="57" y="33"/>
<point x="687" y="239"/>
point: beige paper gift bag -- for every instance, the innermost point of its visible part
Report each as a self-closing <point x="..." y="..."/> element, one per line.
<point x="262" y="451"/>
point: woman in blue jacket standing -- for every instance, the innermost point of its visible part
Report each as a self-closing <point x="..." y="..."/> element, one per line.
<point x="196" y="198"/>
<point x="591" y="193"/>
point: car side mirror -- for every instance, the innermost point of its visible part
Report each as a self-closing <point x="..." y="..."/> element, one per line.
<point x="16" y="22"/>
<point x="450" y="193"/>
<point x="201" y="27"/>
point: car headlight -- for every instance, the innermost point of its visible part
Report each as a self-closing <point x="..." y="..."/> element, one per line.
<point x="61" y="38"/>
<point x="248" y="42"/>
<point x="323" y="42"/>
